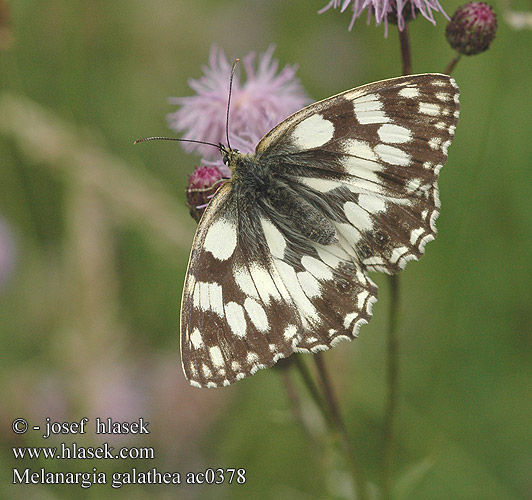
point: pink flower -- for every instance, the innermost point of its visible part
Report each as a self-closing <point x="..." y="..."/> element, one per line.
<point x="261" y="102"/>
<point x="398" y="10"/>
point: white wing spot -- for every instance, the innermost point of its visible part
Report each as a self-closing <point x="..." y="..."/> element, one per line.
<point x="364" y="173"/>
<point x="358" y="216"/>
<point x="309" y="284"/>
<point x="394" y="134"/>
<point x="327" y="257"/>
<point x="196" y="339"/>
<point x="236" y="319"/>
<point x="424" y="241"/>
<point x="290" y="332"/>
<point x="350" y="233"/>
<point x="360" y="149"/>
<point x="208" y="296"/>
<point x="288" y="275"/>
<point x="392" y="155"/>
<point x="415" y="234"/>
<point x="221" y="239"/>
<point x="317" y="268"/>
<point x="203" y="295"/>
<point x="429" y="108"/>
<point x="371" y="203"/>
<point x="361" y="298"/>
<point x="266" y="287"/>
<point x="196" y="296"/>
<point x="320" y="185"/>
<point x="409" y="92"/>
<point x="368" y="109"/>
<point x="313" y="132"/>
<point x="244" y="282"/>
<point x="206" y="371"/>
<point x="397" y="254"/>
<point x="349" y="319"/>
<point x="252" y="357"/>
<point x="256" y="314"/>
<point x="413" y="185"/>
<point x="216" y="356"/>
<point x="274" y="238"/>
<point x="435" y="143"/>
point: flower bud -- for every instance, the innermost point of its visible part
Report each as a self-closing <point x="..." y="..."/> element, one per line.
<point x="400" y="18"/>
<point x="472" y="28"/>
<point x="202" y="185"/>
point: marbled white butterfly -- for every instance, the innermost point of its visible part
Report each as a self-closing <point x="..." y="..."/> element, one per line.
<point x="280" y="258"/>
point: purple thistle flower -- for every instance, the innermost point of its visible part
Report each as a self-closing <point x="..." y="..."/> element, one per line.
<point x="381" y="9"/>
<point x="261" y="102"/>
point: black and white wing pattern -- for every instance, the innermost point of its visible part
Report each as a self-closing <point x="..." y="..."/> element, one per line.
<point x="253" y="294"/>
<point x="280" y="259"/>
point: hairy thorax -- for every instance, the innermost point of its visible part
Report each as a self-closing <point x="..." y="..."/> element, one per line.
<point x="255" y="183"/>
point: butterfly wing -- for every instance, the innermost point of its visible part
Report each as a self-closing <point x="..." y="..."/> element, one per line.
<point x="253" y="292"/>
<point x="369" y="158"/>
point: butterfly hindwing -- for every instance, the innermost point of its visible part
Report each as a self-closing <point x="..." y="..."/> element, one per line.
<point x="253" y="295"/>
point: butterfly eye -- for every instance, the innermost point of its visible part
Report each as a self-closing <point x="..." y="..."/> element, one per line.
<point x="225" y="159"/>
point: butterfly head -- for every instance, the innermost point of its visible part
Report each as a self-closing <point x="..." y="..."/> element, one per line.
<point x="228" y="155"/>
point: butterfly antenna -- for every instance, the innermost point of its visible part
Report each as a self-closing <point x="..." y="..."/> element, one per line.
<point x="144" y="139"/>
<point x="229" y="102"/>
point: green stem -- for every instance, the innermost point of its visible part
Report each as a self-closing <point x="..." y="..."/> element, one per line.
<point x="392" y="354"/>
<point x="406" y="58"/>
<point x="392" y="378"/>
<point x="338" y="425"/>
<point x="295" y="403"/>
<point x="312" y="388"/>
<point x="452" y="63"/>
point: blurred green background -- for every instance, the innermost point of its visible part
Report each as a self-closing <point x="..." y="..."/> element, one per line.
<point x="95" y="238"/>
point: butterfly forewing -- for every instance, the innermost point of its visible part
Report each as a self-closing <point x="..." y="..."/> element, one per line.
<point x="371" y="157"/>
<point x="280" y="258"/>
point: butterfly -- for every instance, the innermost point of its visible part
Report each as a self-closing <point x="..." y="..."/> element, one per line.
<point x="281" y="255"/>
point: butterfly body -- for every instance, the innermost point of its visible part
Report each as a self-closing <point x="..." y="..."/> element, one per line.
<point x="264" y="184"/>
<point x="281" y="256"/>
